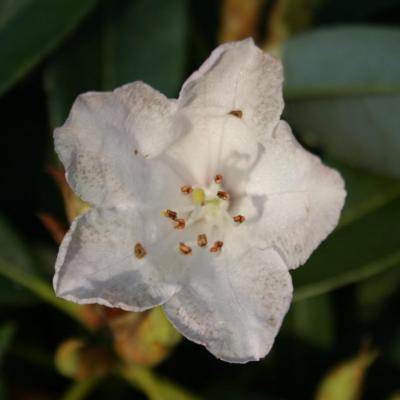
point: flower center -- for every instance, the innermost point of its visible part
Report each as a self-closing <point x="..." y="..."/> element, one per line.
<point x="208" y="213"/>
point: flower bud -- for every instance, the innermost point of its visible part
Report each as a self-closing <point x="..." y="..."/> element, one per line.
<point x="145" y="338"/>
<point x="76" y="359"/>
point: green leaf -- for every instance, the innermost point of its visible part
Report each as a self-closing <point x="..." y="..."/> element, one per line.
<point x="29" y="30"/>
<point x="372" y="294"/>
<point x="312" y="320"/>
<point x="10" y="8"/>
<point x="147" y="42"/>
<point x="135" y="40"/>
<point x="343" y="91"/>
<point x="365" y="191"/>
<point x="365" y="243"/>
<point x="345" y="381"/>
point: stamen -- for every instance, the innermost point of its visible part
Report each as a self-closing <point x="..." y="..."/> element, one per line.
<point x="239" y="219"/>
<point x="202" y="240"/>
<point x="185" y="249"/>
<point x="218" y="179"/>
<point x="186" y="189"/>
<point x="216" y="247"/>
<point x="140" y="251"/>
<point x="223" y="195"/>
<point x="180" y="223"/>
<point x="170" y="214"/>
<point x="236" y="113"/>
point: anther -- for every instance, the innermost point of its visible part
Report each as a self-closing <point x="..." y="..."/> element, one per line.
<point x="140" y="251"/>
<point x="186" y="189"/>
<point x="185" y="249"/>
<point x="223" y="195"/>
<point x="218" y="179"/>
<point x="236" y="113"/>
<point x="216" y="247"/>
<point x="180" y="223"/>
<point x="239" y="219"/>
<point x="170" y="214"/>
<point x="202" y="240"/>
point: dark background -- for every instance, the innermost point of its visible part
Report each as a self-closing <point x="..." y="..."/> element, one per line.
<point x="342" y="72"/>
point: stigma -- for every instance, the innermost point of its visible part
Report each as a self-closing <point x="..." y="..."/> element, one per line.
<point x="208" y="212"/>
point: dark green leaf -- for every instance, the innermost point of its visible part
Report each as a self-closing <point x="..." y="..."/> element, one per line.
<point x="366" y="242"/>
<point x="29" y="30"/>
<point x="373" y="293"/>
<point x="312" y="320"/>
<point x="6" y="334"/>
<point x="13" y="251"/>
<point x="10" y="8"/>
<point x="148" y="42"/>
<point x="343" y="92"/>
<point x="135" y="40"/>
<point x="18" y="268"/>
<point x="365" y="191"/>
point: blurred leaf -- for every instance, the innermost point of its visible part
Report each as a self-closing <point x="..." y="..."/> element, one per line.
<point x="13" y="250"/>
<point x="287" y="17"/>
<point x="373" y="293"/>
<point x="343" y="92"/>
<point x="156" y="388"/>
<point x="127" y="41"/>
<point x="38" y="287"/>
<point x="30" y="29"/>
<point x="17" y="266"/>
<point x="10" y="8"/>
<point x="6" y="334"/>
<point x="44" y="257"/>
<point x="312" y="320"/>
<point x="365" y="244"/>
<point x="345" y="381"/>
<point x="148" y="42"/>
<point x="77" y="67"/>
<point x="394" y="396"/>
<point x="365" y="192"/>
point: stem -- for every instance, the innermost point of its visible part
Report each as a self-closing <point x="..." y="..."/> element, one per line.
<point x="367" y="271"/>
<point x="155" y="387"/>
<point x="79" y="390"/>
<point x="39" y="287"/>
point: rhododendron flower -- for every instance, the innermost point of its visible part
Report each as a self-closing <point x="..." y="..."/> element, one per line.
<point x="201" y="204"/>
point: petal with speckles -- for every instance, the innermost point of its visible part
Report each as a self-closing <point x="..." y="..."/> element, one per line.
<point x="241" y="81"/>
<point x="233" y="305"/>
<point x="97" y="262"/>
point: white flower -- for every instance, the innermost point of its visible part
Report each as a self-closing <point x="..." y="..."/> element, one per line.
<point x="201" y="204"/>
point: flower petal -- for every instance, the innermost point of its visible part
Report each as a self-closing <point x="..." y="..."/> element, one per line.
<point x="298" y="198"/>
<point x="233" y="306"/>
<point x="108" y="136"/>
<point x="240" y="80"/>
<point x="119" y="258"/>
<point x="215" y="145"/>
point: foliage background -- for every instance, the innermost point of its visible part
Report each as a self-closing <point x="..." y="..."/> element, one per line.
<point x="342" y="90"/>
